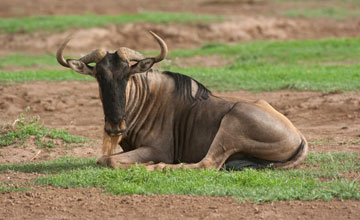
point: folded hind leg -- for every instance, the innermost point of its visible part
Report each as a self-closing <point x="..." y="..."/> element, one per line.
<point x="222" y="147"/>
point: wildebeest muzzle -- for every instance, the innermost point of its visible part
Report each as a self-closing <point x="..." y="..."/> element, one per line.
<point x="115" y="129"/>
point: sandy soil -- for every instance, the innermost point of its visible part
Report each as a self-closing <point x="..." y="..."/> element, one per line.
<point x="330" y="121"/>
<point x="57" y="203"/>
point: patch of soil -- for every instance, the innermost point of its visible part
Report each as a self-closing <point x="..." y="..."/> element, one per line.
<point x="18" y="179"/>
<point x="30" y="152"/>
<point x="74" y="106"/>
<point x="58" y="107"/>
<point x="59" y="203"/>
<point x="351" y="175"/>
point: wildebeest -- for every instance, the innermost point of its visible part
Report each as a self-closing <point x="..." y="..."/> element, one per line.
<point x="167" y="119"/>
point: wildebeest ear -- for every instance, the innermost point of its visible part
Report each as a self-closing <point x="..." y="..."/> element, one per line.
<point x="143" y="65"/>
<point x="80" y="67"/>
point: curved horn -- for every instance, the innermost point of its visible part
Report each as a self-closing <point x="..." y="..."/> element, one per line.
<point x="163" y="46"/>
<point x="59" y="52"/>
<point x="128" y="54"/>
<point x="94" y="56"/>
<point x="131" y="55"/>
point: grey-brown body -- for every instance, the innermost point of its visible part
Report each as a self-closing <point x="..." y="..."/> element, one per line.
<point x="182" y="128"/>
<point x="179" y="128"/>
<point x="164" y="119"/>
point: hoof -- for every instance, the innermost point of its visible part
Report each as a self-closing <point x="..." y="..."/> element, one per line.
<point x="158" y="166"/>
<point x="105" y="161"/>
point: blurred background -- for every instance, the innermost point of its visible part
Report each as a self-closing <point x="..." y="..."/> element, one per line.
<point x="183" y="23"/>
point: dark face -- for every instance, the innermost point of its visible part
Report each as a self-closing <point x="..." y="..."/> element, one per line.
<point x="112" y="74"/>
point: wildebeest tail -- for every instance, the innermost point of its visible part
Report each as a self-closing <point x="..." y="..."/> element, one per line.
<point x="297" y="158"/>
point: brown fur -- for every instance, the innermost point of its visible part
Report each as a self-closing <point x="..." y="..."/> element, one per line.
<point x="246" y="128"/>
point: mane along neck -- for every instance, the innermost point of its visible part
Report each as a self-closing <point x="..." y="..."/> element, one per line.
<point x="149" y="90"/>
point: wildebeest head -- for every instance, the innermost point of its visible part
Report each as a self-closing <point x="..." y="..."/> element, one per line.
<point x="112" y="71"/>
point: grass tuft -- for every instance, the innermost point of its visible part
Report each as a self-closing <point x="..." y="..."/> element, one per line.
<point x="27" y="126"/>
<point x="6" y="188"/>
<point x="60" y="165"/>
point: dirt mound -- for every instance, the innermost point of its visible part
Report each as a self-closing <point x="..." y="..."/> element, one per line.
<point x="135" y="35"/>
<point x="73" y="106"/>
<point x="177" y="36"/>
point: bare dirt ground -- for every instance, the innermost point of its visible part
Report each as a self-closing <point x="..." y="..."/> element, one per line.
<point x="330" y="121"/>
<point x="58" y="203"/>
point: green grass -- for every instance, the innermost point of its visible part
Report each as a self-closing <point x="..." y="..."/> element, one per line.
<point x="29" y="126"/>
<point x="355" y="141"/>
<point x="300" y="52"/>
<point x="248" y="185"/>
<point x="268" y="78"/>
<point x="323" y="65"/>
<point x="321" y="141"/>
<point x="42" y="75"/>
<point x="335" y="161"/>
<point x="63" y="22"/>
<point x="5" y="188"/>
<point x="21" y="60"/>
<point x="60" y="165"/>
<point x="333" y="13"/>
<point x="333" y="165"/>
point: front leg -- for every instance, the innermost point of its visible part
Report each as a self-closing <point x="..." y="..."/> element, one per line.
<point x="110" y="143"/>
<point x="142" y="156"/>
<point x="108" y="147"/>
